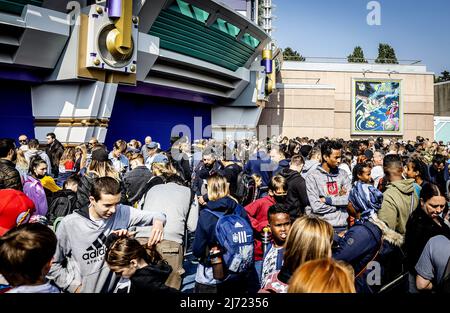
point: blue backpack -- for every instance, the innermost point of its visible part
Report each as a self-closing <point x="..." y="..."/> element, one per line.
<point x="235" y="236"/>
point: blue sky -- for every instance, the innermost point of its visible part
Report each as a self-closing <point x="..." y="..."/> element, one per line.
<point x="417" y="29"/>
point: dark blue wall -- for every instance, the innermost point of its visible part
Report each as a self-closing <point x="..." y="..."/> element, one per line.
<point x="16" y="115"/>
<point x="137" y="116"/>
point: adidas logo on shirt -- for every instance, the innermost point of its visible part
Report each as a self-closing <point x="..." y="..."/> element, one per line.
<point x="96" y="251"/>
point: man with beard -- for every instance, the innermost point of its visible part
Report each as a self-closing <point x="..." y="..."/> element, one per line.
<point x="207" y="167"/>
<point x="54" y="151"/>
<point x="9" y="176"/>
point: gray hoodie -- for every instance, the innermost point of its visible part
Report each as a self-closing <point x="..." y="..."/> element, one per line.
<point x="309" y="166"/>
<point x="80" y="253"/>
<point x="334" y="210"/>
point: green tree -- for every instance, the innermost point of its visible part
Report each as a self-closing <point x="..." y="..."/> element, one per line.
<point x="357" y="56"/>
<point x="386" y="54"/>
<point x="292" y="55"/>
<point x="445" y="76"/>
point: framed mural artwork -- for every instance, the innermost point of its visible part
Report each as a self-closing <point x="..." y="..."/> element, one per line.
<point x="377" y="107"/>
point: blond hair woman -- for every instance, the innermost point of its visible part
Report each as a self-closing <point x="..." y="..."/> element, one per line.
<point x="163" y="173"/>
<point x="219" y="203"/>
<point x="67" y="161"/>
<point x="22" y="164"/>
<point x="80" y="158"/>
<point x="323" y="276"/>
<point x="310" y="238"/>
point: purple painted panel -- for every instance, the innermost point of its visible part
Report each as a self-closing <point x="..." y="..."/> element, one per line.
<point x="137" y="116"/>
<point x="168" y="92"/>
<point x="16" y="114"/>
<point x="22" y="74"/>
<point x="114" y="8"/>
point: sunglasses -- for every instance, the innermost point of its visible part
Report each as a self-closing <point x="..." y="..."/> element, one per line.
<point x="23" y="141"/>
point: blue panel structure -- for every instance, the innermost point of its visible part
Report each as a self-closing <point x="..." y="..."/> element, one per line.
<point x="16" y="114"/>
<point x="138" y="116"/>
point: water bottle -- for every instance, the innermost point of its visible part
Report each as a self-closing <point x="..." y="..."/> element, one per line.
<point x="217" y="263"/>
<point x="266" y="239"/>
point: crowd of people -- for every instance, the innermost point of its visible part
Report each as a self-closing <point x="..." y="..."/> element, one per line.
<point x="281" y="215"/>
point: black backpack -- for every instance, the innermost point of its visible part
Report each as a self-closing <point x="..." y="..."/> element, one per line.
<point x="246" y="189"/>
<point x="62" y="204"/>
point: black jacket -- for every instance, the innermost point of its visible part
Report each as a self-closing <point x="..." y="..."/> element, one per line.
<point x="419" y="229"/>
<point x="84" y="190"/>
<point x="9" y="176"/>
<point x="182" y="164"/>
<point x="134" y="182"/>
<point x="151" y="279"/>
<point x="231" y="173"/>
<point x="296" y="199"/>
<point x="54" y="152"/>
<point x="202" y="172"/>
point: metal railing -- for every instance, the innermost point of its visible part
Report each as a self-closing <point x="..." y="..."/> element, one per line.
<point x="345" y="60"/>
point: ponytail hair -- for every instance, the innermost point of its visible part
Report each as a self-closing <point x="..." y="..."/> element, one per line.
<point x="35" y="161"/>
<point x="122" y="249"/>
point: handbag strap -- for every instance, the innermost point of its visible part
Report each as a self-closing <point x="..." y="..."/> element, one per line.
<point x="373" y="259"/>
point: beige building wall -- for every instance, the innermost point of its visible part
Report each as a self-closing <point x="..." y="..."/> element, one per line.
<point x="315" y="100"/>
<point x="442" y="99"/>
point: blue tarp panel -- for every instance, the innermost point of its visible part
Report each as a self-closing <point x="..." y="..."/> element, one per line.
<point x="16" y="114"/>
<point x="138" y="116"/>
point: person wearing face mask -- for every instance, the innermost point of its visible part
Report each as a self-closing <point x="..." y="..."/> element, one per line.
<point x="33" y="187"/>
<point x="257" y="213"/>
<point x="423" y="224"/>
<point x="9" y="176"/>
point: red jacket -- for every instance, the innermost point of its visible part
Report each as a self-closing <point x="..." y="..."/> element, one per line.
<point x="257" y="213"/>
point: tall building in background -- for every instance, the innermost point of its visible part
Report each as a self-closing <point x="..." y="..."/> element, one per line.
<point x="266" y="8"/>
<point x="258" y="11"/>
<point x="245" y="7"/>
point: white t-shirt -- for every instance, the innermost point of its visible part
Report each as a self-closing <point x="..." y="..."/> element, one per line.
<point x="377" y="173"/>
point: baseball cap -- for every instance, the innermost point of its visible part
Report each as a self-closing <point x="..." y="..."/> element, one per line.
<point x="368" y="154"/>
<point x="15" y="209"/>
<point x="152" y="145"/>
<point x="160" y="158"/>
<point x="100" y="155"/>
